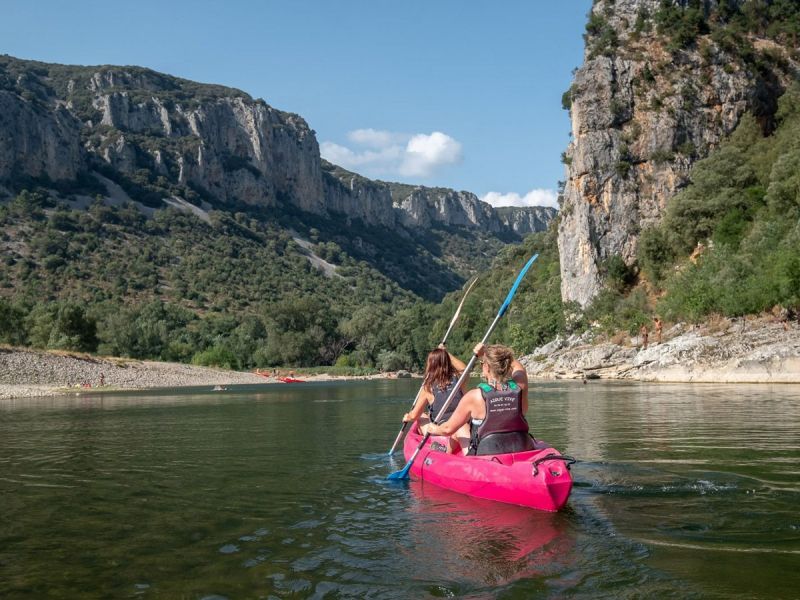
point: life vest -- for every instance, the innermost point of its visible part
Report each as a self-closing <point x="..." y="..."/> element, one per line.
<point x="504" y="429"/>
<point x="440" y="395"/>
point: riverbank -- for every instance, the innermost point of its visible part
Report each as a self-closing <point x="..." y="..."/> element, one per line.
<point x="753" y="350"/>
<point x="27" y="373"/>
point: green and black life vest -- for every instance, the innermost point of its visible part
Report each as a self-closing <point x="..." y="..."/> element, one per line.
<point x="504" y="429"/>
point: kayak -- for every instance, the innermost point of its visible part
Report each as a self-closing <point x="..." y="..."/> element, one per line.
<point x="290" y="380"/>
<point x="538" y="478"/>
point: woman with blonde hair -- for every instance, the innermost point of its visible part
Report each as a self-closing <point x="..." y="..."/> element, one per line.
<point x="495" y="410"/>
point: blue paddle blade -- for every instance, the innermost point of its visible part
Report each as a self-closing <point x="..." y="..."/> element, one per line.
<point x="514" y="287"/>
<point x="401" y="474"/>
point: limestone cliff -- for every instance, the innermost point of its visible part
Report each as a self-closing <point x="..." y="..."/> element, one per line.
<point x="421" y="207"/>
<point x="526" y="219"/>
<point x="37" y="143"/>
<point x="161" y="137"/>
<point x="662" y="83"/>
<point x="351" y="194"/>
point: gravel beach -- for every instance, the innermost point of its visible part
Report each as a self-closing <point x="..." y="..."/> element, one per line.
<point x="30" y="373"/>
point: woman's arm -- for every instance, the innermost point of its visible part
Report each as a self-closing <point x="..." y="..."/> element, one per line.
<point x="457" y="363"/>
<point x="520" y="376"/>
<point x="462" y="415"/>
<point x="419" y="407"/>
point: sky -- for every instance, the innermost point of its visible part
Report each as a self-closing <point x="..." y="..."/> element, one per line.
<point x="463" y="94"/>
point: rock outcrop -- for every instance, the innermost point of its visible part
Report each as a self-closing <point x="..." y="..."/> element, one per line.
<point x="423" y="206"/>
<point x="645" y="105"/>
<point x="162" y="137"/>
<point x="526" y="219"/>
<point x="755" y="351"/>
<point x="37" y="143"/>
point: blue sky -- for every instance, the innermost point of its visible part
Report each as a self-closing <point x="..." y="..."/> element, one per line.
<point x="457" y="93"/>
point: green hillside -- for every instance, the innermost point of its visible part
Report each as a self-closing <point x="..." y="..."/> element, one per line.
<point x="241" y="290"/>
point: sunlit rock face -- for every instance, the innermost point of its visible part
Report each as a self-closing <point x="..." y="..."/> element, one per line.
<point x="175" y="138"/>
<point x="642" y="113"/>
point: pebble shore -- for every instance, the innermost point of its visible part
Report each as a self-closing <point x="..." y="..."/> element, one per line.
<point x="30" y="373"/>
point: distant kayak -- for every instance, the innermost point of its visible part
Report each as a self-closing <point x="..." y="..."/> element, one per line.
<point x="538" y="478"/>
<point x="290" y="380"/>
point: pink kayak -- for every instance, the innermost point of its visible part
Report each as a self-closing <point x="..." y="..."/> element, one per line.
<point x="537" y="478"/>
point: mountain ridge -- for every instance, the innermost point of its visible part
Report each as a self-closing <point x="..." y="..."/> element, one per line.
<point x="157" y="134"/>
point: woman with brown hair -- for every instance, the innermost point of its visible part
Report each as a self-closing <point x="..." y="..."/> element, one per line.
<point x="495" y="410"/>
<point x="442" y="371"/>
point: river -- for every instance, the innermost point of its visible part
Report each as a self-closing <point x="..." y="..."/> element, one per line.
<point x="279" y="491"/>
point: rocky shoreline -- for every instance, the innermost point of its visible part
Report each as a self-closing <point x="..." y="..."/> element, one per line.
<point x="27" y="373"/>
<point x="722" y="351"/>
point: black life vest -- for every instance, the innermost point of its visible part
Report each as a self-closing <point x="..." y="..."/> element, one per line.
<point x="504" y="428"/>
<point x="440" y="395"/>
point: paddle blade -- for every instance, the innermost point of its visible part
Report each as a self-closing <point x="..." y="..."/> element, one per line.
<point x="513" y="290"/>
<point x="401" y="474"/>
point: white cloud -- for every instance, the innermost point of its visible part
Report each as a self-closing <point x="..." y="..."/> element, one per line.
<point x="427" y="153"/>
<point x="376" y="138"/>
<point x="537" y="197"/>
<point x="381" y="158"/>
<point x="387" y="153"/>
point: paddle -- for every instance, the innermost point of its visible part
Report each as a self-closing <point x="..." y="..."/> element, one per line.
<point x="444" y="339"/>
<point x="403" y="473"/>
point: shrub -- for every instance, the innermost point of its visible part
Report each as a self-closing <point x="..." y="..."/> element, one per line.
<point x="392" y="361"/>
<point x="216" y="356"/>
<point x="617" y="273"/>
<point x="12" y="324"/>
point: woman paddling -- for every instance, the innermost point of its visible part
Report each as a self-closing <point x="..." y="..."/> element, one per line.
<point x="442" y="371"/>
<point x="495" y="410"/>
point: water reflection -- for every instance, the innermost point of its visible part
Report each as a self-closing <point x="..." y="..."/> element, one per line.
<point x="479" y="541"/>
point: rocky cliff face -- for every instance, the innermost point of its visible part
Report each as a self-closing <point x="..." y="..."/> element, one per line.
<point x="37" y="143"/>
<point x="236" y="148"/>
<point x="424" y="206"/>
<point x="160" y="137"/>
<point x="526" y="219"/>
<point x="660" y="86"/>
<point x="351" y="194"/>
<point x="420" y="207"/>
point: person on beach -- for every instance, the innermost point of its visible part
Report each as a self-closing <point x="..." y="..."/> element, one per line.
<point x="495" y="410"/>
<point x="659" y="326"/>
<point x="102" y="379"/>
<point x="442" y="371"/>
<point x="643" y="333"/>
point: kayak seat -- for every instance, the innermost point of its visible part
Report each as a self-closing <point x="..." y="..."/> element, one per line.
<point x="505" y="443"/>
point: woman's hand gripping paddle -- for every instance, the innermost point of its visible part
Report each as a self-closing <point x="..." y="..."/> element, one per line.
<point x="403" y="473"/>
<point x="444" y="339"/>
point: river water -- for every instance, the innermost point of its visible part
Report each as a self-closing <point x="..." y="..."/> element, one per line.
<point x="279" y="491"/>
